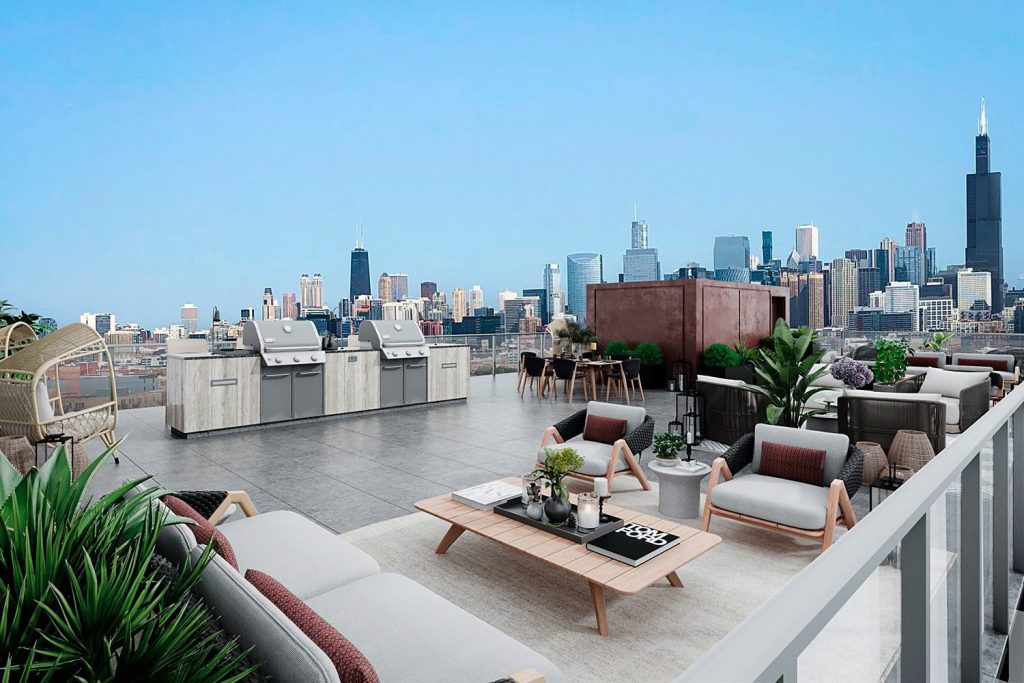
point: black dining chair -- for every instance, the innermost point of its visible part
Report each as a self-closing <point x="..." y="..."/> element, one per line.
<point x="620" y="356"/>
<point x="568" y="372"/>
<point x="536" y="370"/>
<point x="626" y="378"/>
<point x="522" y="367"/>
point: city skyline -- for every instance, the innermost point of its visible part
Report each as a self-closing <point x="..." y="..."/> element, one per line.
<point x="220" y="205"/>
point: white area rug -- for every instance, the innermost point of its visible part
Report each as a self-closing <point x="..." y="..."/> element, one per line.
<point x="655" y="634"/>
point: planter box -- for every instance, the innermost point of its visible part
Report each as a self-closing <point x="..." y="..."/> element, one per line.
<point x="711" y="372"/>
<point x="652" y="376"/>
<point x="742" y="372"/>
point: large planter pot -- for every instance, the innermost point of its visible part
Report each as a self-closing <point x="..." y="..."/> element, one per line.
<point x="652" y="376"/>
<point x="710" y="371"/>
<point x="741" y="372"/>
<point x="557" y="510"/>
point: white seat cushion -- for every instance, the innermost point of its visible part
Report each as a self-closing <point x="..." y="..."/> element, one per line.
<point x="950" y="383"/>
<point x="409" y="633"/>
<point x="595" y="456"/>
<point x="952" y="410"/>
<point x="835" y="446"/>
<point x="826" y="380"/>
<point x="305" y="557"/>
<point x="782" y="501"/>
<point x="44" y="411"/>
<point x="633" y="415"/>
<point x="721" y="380"/>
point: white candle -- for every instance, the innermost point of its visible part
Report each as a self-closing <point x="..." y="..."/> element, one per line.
<point x="689" y="437"/>
<point x="587" y="511"/>
<point x="601" y="486"/>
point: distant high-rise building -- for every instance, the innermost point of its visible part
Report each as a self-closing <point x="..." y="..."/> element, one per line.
<point x="858" y="256"/>
<point x="806" y="298"/>
<point x="458" y="304"/>
<point x="766" y="246"/>
<point x="516" y="307"/>
<point x="270" y="311"/>
<point x="985" y="215"/>
<point x="428" y="289"/>
<point x="581" y="269"/>
<point x="553" y="287"/>
<point x="732" y="251"/>
<point x="359" y="276"/>
<point x="901" y="297"/>
<point x="504" y="296"/>
<point x="384" y="288"/>
<point x="880" y="260"/>
<point x="638" y="233"/>
<point x="917" y="236"/>
<point x="931" y="267"/>
<point x="247" y="313"/>
<point x="807" y="241"/>
<point x="476" y="299"/>
<point x="640" y="263"/>
<point x="973" y="286"/>
<point x="936" y="314"/>
<point x="793" y="260"/>
<point x="289" y="308"/>
<point x="541" y="309"/>
<point x="305" y="295"/>
<point x="190" y="317"/>
<point x="318" y="291"/>
<point x="868" y="280"/>
<point x="843" y="291"/>
<point x="399" y="286"/>
<point x="890" y="246"/>
<point x="910" y="265"/>
<point x="101" y="322"/>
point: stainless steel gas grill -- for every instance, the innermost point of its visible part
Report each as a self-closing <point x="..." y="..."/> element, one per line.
<point x="404" y="357"/>
<point x="292" y="377"/>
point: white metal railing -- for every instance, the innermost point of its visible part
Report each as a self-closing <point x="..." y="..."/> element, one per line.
<point x="766" y="646"/>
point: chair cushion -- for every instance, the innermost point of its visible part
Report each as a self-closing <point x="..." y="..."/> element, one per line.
<point x="835" y="446"/>
<point x="826" y="380"/>
<point x="351" y="664"/>
<point x="305" y="557"/>
<point x="44" y="411"/>
<point x="891" y="395"/>
<point x="773" y="499"/>
<point x="595" y="456"/>
<point x="952" y="410"/>
<point x="919" y="360"/>
<point x="949" y="383"/>
<point x="1003" y="362"/>
<point x="411" y="634"/>
<point x="633" y="415"/>
<point x="203" y="530"/>
<point x="818" y="400"/>
<point x="604" y="429"/>
<point x="721" y="381"/>
<point x="287" y="654"/>
<point x="805" y="465"/>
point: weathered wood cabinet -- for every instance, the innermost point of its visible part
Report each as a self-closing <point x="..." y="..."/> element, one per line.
<point x="351" y="382"/>
<point x="212" y="393"/>
<point x="448" y="373"/>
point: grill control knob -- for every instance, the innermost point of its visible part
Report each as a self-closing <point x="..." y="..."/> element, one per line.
<point x="287" y="328"/>
<point x="313" y="357"/>
<point x="277" y="360"/>
<point x="297" y="359"/>
<point x="422" y="352"/>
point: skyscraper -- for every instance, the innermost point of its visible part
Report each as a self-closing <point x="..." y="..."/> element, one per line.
<point x="288" y="307"/>
<point x="903" y="297"/>
<point x="476" y="299"/>
<point x="318" y="292"/>
<point x="732" y="258"/>
<point x="359" y="276"/>
<point x="429" y="289"/>
<point x="553" y="289"/>
<point x="868" y="281"/>
<point x="766" y="246"/>
<point x="807" y="241"/>
<point x="458" y="304"/>
<point x="384" y="291"/>
<point x="638" y="233"/>
<point x="101" y="322"/>
<point x="581" y="269"/>
<point x="910" y="265"/>
<point x="270" y="311"/>
<point x="305" y="294"/>
<point x="889" y="246"/>
<point x="917" y="236"/>
<point x="985" y="215"/>
<point x="399" y="286"/>
<point x="806" y="298"/>
<point x="541" y="309"/>
<point x="973" y="286"/>
<point x="843" y="291"/>
<point x="247" y="313"/>
<point x="639" y="263"/>
<point x="189" y="317"/>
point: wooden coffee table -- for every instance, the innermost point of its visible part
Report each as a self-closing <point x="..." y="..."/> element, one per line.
<point x="601" y="573"/>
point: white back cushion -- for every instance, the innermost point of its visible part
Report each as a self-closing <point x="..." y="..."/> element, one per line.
<point x="633" y="415"/>
<point x="826" y="380"/>
<point x="721" y="380"/>
<point x="892" y="395"/>
<point x="44" y="411"/>
<point x="834" y="445"/>
<point x="949" y="383"/>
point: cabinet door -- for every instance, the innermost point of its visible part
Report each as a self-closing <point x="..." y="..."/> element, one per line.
<point x="351" y="382"/>
<point x="448" y="373"/>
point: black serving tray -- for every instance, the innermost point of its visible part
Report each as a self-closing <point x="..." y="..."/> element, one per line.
<point x="514" y="510"/>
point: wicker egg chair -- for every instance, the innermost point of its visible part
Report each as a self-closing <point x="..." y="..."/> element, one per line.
<point x="15" y="336"/>
<point x="27" y="409"/>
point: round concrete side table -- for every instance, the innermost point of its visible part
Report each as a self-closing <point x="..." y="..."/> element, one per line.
<point x="679" y="488"/>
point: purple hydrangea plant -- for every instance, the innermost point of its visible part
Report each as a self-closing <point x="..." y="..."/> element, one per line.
<point x="852" y="372"/>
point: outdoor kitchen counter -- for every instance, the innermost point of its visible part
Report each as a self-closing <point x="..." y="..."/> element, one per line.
<point x="208" y="392"/>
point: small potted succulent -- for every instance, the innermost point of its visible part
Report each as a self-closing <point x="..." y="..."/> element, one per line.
<point x="559" y="462"/>
<point x="666" y="448"/>
<point x="852" y="373"/>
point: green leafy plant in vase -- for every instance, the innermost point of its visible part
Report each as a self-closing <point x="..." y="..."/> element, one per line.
<point x="666" y="448"/>
<point x="891" y="360"/>
<point x="785" y="369"/>
<point x="937" y="341"/>
<point x="559" y="463"/>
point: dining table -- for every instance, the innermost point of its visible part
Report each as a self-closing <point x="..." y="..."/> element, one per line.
<point x="592" y="366"/>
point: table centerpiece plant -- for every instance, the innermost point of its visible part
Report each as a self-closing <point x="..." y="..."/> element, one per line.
<point x="558" y="464"/>
<point x="891" y="360"/>
<point x="852" y="373"/>
<point x="666" y="448"/>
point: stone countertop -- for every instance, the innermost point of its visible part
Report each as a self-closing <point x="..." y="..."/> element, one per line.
<point x="206" y="355"/>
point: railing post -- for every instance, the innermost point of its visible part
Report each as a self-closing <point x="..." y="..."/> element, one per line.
<point x="915" y="591"/>
<point x="1001" y="530"/>
<point x="972" y="576"/>
<point x="494" y="357"/>
<point x="1018" y="491"/>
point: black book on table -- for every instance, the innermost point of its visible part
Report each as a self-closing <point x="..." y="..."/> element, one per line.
<point x="634" y="544"/>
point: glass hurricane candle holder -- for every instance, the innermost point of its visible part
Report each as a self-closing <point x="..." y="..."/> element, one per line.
<point x="588" y="510"/>
<point x="531" y="488"/>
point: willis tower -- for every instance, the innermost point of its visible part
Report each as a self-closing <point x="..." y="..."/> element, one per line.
<point x="985" y="215"/>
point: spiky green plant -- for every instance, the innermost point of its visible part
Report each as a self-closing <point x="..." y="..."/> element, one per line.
<point x="785" y="367"/>
<point x="80" y="596"/>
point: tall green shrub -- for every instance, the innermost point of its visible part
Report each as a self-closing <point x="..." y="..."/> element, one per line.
<point x="80" y="596"/>
<point x="785" y="367"/>
<point x="613" y="348"/>
<point x="649" y="353"/>
<point x="720" y="356"/>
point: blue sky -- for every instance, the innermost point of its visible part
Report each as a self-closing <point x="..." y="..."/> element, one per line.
<point x="158" y="154"/>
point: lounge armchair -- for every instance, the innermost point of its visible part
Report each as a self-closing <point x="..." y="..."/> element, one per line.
<point x="967" y="395"/>
<point x="601" y="459"/>
<point x="920" y="361"/>
<point x="876" y="416"/>
<point x="730" y="408"/>
<point x="1003" y="364"/>
<point x="807" y="510"/>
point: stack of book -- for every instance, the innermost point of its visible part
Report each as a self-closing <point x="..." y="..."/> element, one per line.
<point x="634" y="544"/>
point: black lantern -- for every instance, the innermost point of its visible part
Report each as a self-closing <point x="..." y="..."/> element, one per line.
<point x="681" y="373"/>
<point x="690" y="414"/>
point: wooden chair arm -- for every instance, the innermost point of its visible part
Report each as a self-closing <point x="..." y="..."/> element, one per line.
<point x="239" y="498"/>
<point x="527" y="676"/>
<point x="550" y="433"/>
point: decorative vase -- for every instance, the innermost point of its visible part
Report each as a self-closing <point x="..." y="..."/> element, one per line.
<point x="911" y="450"/>
<point x="875" y="461"/>
<point x="557" y="510"/>
<point x="535" y="510"/>
<point x="667" y="462"/>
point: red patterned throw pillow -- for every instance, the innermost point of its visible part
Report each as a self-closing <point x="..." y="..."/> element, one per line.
<point x="806" y="465"/>
<point x="996" y="363"/>
<point x="923" y="361"/>
<point x="352" y="665"/>
<point x="202" y="529"/>
<point x="604" y="429"/>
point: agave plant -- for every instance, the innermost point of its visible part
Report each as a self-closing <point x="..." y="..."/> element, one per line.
<point x="785" y="368"/>
<point x="81" y="597"/>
